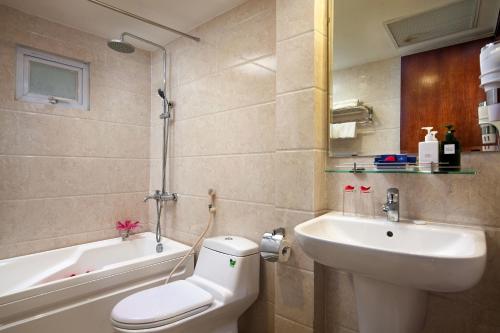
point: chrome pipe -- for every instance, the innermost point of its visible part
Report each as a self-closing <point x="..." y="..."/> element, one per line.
<point x="143" y="19"/>
<point x="123" y="35"/>
<point x="166" y="105"/>
<point x="159" y="196"/>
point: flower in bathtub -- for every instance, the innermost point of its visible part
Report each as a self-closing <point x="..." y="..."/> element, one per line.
<point x="125" y="227"/>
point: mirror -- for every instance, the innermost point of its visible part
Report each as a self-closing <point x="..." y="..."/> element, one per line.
<point x="398" y="65"/>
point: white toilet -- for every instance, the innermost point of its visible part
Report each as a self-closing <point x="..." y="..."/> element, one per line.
<point x="224" y="284"/>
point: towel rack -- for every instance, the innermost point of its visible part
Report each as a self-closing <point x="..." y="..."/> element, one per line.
<point x="362" y="114"/>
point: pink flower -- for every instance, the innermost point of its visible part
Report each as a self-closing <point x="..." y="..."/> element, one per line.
<point x="127" y="225"/>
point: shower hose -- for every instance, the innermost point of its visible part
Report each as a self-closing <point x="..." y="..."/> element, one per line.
<point x="159" y="206"/>
<point x="211" y="216"/>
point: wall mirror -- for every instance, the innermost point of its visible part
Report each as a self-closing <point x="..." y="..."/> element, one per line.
<point x="398" y="65"/>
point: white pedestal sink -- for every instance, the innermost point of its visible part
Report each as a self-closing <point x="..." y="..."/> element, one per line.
<point x="394" y="264"/>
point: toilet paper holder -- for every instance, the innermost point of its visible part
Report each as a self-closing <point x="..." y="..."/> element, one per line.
<point x="274" y="247"/>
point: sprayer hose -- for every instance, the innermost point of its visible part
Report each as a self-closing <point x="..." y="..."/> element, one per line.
<point x="195" y="245"/>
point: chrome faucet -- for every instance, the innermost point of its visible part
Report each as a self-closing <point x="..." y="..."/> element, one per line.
<point x="161" y="196"/>
<point x="391" y="207"/>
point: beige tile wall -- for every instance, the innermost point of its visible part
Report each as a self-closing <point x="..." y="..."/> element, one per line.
<point x="250" y="122"/>
<point x="223" y="135"/>
<point x="301" y="122"/>
<point x="378" y="85"/>
<point x="68" y="175"/>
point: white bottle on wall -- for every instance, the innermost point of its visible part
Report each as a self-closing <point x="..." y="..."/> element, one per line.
<point x="428" y="150"/>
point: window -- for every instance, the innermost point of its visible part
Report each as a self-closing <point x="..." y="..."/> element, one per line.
<point x="49" y="79"/>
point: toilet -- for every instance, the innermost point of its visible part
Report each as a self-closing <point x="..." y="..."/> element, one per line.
<point x="224" y="284"/>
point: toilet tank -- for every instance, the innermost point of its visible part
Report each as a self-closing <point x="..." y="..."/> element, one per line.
<point x="230" y="262"/>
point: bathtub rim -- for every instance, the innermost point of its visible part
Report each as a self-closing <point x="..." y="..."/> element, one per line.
<point x="180" y="250"/>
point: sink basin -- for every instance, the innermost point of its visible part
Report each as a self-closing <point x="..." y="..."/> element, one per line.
<point x="429" y="257"/>
<point x="395" y="263"/>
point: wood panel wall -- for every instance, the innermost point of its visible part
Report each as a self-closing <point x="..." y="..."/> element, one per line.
<point x="441" y="87"/>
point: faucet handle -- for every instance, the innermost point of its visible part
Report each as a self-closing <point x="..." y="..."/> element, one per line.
<point x="392" y="195"/>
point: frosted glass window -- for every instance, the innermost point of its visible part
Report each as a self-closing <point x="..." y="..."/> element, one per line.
<point x="49" y="79"/>
<point x="53" y="81"/>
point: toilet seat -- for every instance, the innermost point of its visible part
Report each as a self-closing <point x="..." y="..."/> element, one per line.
<point x="161" y="305"/>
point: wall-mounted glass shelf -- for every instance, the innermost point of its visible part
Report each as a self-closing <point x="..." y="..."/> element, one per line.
<point x="438" y="172"/>
<point x="432" y="169"/>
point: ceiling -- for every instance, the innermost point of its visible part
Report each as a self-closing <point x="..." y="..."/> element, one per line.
<point x="182" y="15"/>
<point x="361" y="37"/>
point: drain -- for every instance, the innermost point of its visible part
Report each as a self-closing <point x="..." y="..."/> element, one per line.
<point x="390" y="234"/>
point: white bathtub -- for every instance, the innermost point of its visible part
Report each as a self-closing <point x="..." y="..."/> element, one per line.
<point x="73" y="289"/>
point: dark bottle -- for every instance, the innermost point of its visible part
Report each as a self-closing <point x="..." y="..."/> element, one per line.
<point x="449" y="152"/>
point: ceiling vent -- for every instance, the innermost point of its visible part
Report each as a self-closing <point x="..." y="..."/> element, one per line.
<point x="443" y="21"/>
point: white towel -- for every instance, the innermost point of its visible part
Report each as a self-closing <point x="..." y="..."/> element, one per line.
<point x="343" y="130"/>
<point x="348" y="103"/>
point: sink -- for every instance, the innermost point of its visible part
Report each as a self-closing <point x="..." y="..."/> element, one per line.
<point x="394" y="264"/>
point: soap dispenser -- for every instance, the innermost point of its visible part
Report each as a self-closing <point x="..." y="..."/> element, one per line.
<point x="428" y="150"/>
<point x="450" y="150"/>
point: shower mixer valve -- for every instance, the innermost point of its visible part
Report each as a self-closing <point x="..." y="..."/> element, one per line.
<point x="161" y="196"/>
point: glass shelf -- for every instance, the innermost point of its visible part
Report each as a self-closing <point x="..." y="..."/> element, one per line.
<point x="432" y="169"/>
<point x="466" y="171"/>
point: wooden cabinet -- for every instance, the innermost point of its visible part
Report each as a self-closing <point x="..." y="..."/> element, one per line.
<point x="441" y="87"/>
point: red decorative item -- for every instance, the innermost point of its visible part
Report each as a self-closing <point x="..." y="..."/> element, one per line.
<point x="127" y="225"/>
<point x="349" y="188"/>
<point x="365" y="189"/>
<point x="391" y="158"/>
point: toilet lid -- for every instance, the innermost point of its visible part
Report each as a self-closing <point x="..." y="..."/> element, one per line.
<point x="161" y="305"/>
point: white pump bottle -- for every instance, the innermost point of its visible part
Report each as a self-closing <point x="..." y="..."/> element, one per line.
<point x="428" y="150"/>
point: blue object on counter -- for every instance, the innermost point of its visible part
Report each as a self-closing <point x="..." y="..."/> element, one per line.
<point x="394" y="161"/>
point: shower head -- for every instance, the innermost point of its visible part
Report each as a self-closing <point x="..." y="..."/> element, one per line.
<point x="121" y="46"/>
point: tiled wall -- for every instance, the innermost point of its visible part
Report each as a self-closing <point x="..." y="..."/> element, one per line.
<point x="378" y="85"/>
<point x="222" y="134"/>
<point x="301" y="122"/>
<point x="249" y="122"/>
<point x="67" y="175"/>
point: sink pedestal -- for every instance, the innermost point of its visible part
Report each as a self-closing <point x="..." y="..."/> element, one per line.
<point x="388" y="308"/>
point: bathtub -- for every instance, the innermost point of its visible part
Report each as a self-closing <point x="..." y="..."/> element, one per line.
<point x="73" y="289"/>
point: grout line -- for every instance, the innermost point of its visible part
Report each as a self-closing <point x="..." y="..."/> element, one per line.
<point x="74" y="157"/>
<point x="204" y="197"/>
<point x="314" y="30"/>
<point x="297" y="150"/>
<point x="295" y="36"/>
<point x="292" y="320"/>
<point x="289" y="92"/>
<point x="297" y="210"/>
<point x="269" y="102"/>
<point x="321" y="33"/>
<point x="223" y="155"/>
<point x="44" y="113"/>
<point x="237" y="109"/>
<point x="218" y="71"/>
<point x="75" y="196"/>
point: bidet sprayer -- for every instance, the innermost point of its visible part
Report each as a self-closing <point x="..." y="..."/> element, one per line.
<point x="211" y="200"/>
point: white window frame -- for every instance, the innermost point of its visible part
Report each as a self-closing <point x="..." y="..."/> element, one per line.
<point x="26" y="55"/>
